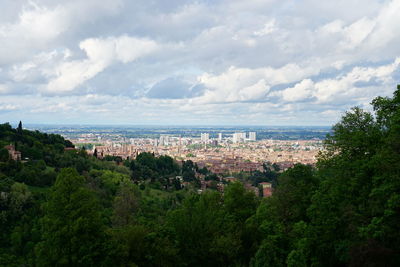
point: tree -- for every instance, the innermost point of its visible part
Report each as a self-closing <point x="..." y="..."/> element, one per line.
<point x="356" y="135"/>
<point x="19" y="197"/>
<point x="203" y="232"/>
<point x="4" y="155"/>
<point x="126" y="204"/>
<point x="239" y="202"/>
<point x="19" y="129"/>
<point x="73" y="232"/>
<point x="281" y="215"/>
<point x="355" y="209"/>
<point x="188" y="171"/>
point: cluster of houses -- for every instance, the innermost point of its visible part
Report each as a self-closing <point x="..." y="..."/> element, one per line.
<point x="229" y="165"/>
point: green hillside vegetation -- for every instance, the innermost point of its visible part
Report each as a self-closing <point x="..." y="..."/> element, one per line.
<point x="62" y="207"/>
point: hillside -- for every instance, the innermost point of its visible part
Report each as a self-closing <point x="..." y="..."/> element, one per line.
<point x="62" y="207"/>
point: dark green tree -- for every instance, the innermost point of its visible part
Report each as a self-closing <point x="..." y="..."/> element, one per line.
<point x="281" y="215"/>
<point x="204" y="233"/>
<point x="354" y="209"/>
<point x="73" y="232"/>
<point x="19" y="129"/>
<point x="126" y="204"/>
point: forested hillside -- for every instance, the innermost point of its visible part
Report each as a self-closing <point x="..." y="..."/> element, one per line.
<point x="60" y="206"/>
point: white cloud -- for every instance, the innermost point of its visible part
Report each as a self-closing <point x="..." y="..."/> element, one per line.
<point x="8" y="107"/>
<point x="40" y="26"/>
<point x="101" y="53"/>
<point x="3" y="89"/>
<point x="299" y="92"/>
<point x="367" y="35"/>
<point x="342" y="88"/>
<point x="386" y="29"/>
<point x="128" y="49"/>
<point x="243" y="84"/>
<point x="36" y="25"/>
<point x="268" y="28"/>
<point x="41" y="23"/>
<point x="357" y="32"/>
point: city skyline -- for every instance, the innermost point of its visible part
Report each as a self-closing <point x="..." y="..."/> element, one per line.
<point x="267" y="63"/>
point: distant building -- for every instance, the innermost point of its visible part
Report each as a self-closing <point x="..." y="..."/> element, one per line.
<point x="252" y="136"/>
<point x="238" y="137"/>
<point x="204" y="137"/>
<point x="266" y="189"/>
<point x="14" y="154"/>
<point x="164" y="140"/>
<point x="284" y="165"/>
<point x="220" y="137"/>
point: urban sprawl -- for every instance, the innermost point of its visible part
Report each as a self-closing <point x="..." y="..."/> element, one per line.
<point x="223" y="154"/>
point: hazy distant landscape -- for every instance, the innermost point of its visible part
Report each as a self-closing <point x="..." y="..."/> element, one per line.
<point x="263" y="132"/>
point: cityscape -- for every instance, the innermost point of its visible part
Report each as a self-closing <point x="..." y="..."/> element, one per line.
<point x="224" y="152"/>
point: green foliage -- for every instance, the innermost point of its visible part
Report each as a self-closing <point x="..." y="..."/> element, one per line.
<point x="280" y="216"/>
<point x="269" y="174"/>
<point x="203" y="231"/>
<point x="239" y="203"/>
<point x="4" y="156"/>
<point x="188" y="171"/>
<point x="73" y="232"/>
<point x="126" y="204"/>
<point x="148" y="167"/>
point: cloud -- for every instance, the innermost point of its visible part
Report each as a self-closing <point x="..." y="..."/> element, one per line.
<point x="268" y="28"/>
<point x="357" y="84"/>
<point x="39" y="26"/>
<point x="243" y="84"/>
<point x="386" y="30"/>
<point x="101" y="53"/>
<point x="35" y="27"/>
<point x="7" y="107"/>
<point x="343" y="87"/>
<point x="299" y="92"/>
<point x="3" y="89"/>
<point x="197" y="61"/>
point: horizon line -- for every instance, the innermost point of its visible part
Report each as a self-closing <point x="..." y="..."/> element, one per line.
<point x="164" y="125"/>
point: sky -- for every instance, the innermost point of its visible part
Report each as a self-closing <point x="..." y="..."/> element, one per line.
<point x="175" y="62"/>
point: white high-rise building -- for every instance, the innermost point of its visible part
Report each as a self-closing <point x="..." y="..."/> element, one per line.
<point x="164" y="140"/>
<point x="235" y="138"/>
<point x="220" y="137"/>
<point x="252" y="136"/>
<point x="238" y="137"/>
<point x="204" y="137"/>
